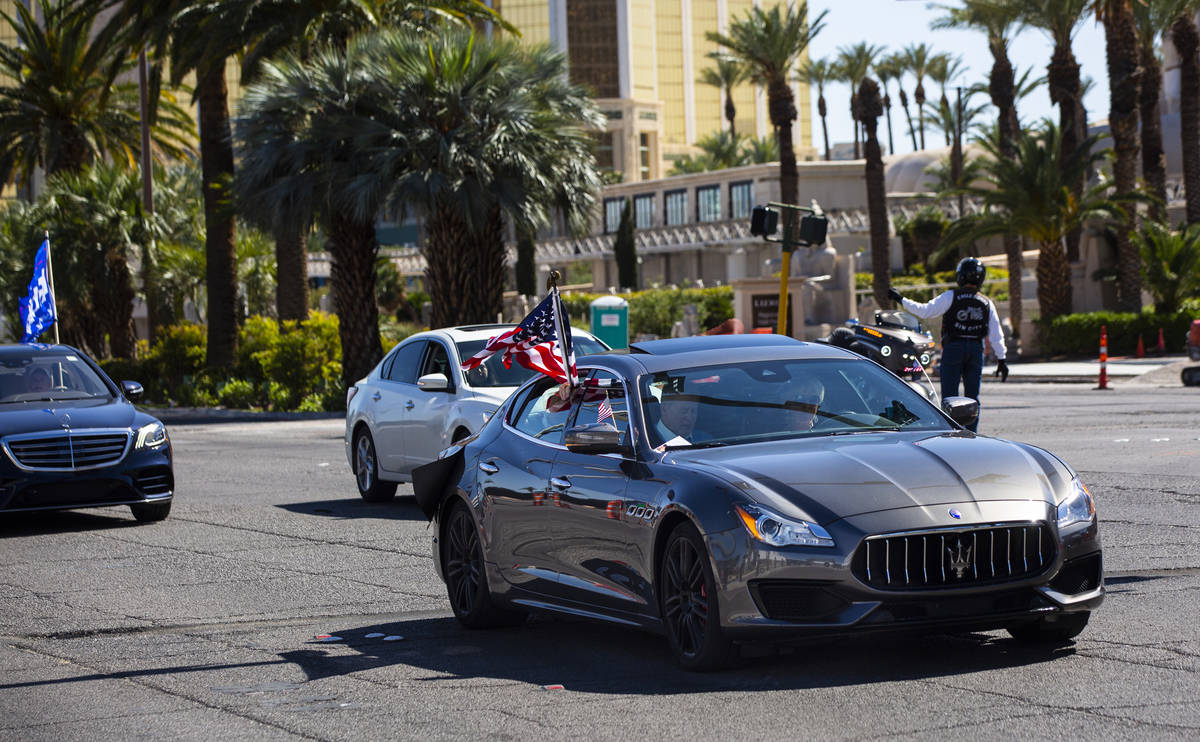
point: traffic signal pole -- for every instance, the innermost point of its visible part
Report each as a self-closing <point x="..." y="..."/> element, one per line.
<point x="764" y="220"/>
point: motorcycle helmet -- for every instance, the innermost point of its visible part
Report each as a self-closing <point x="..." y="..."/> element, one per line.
<point x="970" y="271"/>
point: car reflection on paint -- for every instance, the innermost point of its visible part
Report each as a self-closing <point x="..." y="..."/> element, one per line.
<point x="72" y="438"/>
<point x="736" y="489"/>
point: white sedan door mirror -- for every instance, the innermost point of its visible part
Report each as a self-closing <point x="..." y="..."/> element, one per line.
<point x="433" y="383"/>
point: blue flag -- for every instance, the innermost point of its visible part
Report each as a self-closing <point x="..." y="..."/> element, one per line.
<point x="37" y="309"/>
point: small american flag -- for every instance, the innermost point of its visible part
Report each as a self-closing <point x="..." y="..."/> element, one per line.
<point x="604" y="411"/>
<point x="535" y="343"/>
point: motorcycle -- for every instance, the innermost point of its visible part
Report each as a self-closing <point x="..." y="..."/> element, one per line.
<point x="897" y="341"/>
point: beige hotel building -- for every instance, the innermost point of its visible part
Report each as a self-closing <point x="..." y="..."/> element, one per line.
<point x="643" y="60"/>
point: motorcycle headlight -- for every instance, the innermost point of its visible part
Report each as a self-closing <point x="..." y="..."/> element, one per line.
<point x="776" y="530"/>
<point x="151" y="435"/>
<point x="1078" y="507"/>
<point x="885" y="351"/>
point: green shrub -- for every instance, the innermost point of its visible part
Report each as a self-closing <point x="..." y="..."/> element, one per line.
<point x="996" y="286"/>
<point x="257" y="335"/>
<point x="1079" y="334"/>
<point x="179" y="353"/>
<point x="655" y="311"/>
<point x="238" y="393"/>
<point x="301" y="360"/>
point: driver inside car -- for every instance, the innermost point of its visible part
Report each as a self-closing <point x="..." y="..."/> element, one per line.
<point x="802" y="405"/>
<point x="37" y="380"/>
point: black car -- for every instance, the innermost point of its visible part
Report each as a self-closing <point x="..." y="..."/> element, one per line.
<point x="72" y="438"/>
<point x="734" y="489"/>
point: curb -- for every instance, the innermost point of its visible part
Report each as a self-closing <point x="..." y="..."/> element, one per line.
<point x="210" y="415"/>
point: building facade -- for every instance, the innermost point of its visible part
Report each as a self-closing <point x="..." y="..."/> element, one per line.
<point x="643" y="60"/>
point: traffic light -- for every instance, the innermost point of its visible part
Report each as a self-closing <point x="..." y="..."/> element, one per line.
<point x="763" y="221"/>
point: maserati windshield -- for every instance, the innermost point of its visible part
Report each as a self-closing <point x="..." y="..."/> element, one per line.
<point x="769" y="400"/>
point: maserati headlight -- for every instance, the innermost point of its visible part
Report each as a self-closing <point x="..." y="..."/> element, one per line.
<point x="152" y="435"/>
<point x="1078" y="507"/>
<point x="776" y="530"/>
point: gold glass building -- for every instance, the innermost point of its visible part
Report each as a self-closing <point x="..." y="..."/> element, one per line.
<point x="643" y="60"/>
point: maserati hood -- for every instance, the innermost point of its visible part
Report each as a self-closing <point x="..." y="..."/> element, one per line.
<point x="829" y="478"/>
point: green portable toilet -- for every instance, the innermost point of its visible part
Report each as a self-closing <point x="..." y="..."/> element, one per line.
<point x="610" y="321"/>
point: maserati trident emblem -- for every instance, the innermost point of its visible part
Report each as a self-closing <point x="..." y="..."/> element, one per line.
<point x="960" y="558"/>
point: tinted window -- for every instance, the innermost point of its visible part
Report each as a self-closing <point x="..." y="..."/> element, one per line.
<point x="643" y="209"/>
<point x="437" y="361"/>
<point x="543" y="413"/>
<point x="676" y="208"/>
<point x="404" y="362"/>
<point x="492" y="373"/>
<point x="741" y="199"/>
<point x="602" y="399"/>
<point x="770" y="400"/>
<point x="708" y="203"/>
<point x="41" y="376"/>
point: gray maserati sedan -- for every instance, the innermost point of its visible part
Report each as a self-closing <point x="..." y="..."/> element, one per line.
<point x="748" y="488"/>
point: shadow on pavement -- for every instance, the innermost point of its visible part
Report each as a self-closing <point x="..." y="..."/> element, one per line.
<point x="43" y="522"/>
<point x="401" y="508"/>
<point x="601" y="659"/>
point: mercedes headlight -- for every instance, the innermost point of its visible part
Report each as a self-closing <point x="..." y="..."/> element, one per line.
<point x="1078" y="507"/>
<point x="776" y="530"/>
<point x="152" y="435"/>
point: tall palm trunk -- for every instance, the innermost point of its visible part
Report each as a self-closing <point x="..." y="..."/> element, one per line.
<point x="1124" y="77"/>
<point x="444" y="230"/>
<point x="291" y="272"/>
<point x="485" y="258"/>
<point x="1054" y="279"/>
<point x="887" y="109"/>
<point x="781" y="107"/>
<point x="908" y="117"/>
<point x="867" y="112"/>
<point x="823" y="111"/>
<point x="216" y="162"/>
<point x="1154" y="165"/>
<point x="1062" y="76"/>
<point x="919" y="99"/>
<point x="730" y="112"/>
<point x="1001" y="87"/>
<point x="352" y="278"/>
<point x="853" y="109"/>
<point x="1187" y="42"/>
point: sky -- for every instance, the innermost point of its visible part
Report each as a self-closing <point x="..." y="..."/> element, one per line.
<point x="897" y="23"/>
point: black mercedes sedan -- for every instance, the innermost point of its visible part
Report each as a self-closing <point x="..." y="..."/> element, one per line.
<point x="735" y="489"/>
<point x="72" y="438"/>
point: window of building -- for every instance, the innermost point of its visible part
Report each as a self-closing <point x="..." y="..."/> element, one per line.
<point x="741" y="199"/>
<point x="644" y="155"/>
<point x="675" y="208"/>
<point x="708" y="203"/>
<point x="612" y="214"/>
<point x="603" y="149"/>
<point x="643" y="211"/>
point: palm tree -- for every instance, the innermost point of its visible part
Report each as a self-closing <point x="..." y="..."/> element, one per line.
<point x="1170" y="264"/>
<point x="1124" y="79"/>
<point x="1060" y="19"/>
<point x="725" y="75"/>
<point x="60" y="109"/>
<point x="1152" y="17"/>
<point x="899" y="62"/>
<point x="869" y="106"/>
<point x="759" y="150"/>
<point x="1029" y="192"/>
<point x="1187" y="43"/>
<point x="770" y="42"/>
<point x="887" y="69"/>
<point x="942" y="69"/>
<point x="817" y="72"/>
<point x="917" y="58"/>
<point x="945" y="117"/>
<point x="853" y="64"/>
<point x="1000" y="21"/>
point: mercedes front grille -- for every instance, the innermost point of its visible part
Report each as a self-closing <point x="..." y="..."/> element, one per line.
<point x="68" y="451"/>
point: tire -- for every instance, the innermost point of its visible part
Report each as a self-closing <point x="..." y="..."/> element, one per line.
<point x="841" y="337"/>
<point x="1190" y="376"/>
<point x="1044" y="631"/>
<point x="366" y="470"/>
<point x="687" y="599"/>
<point x="466" y="575"/>
<point x="149" y="512"/>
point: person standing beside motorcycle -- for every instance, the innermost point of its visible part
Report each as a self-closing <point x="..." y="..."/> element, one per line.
<point x="967" y="318"/>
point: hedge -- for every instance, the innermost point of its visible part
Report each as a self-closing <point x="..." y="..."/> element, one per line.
<point x="1079" y="334"/>
<point x="996" y="285"/>
<point x="655" y="311"/>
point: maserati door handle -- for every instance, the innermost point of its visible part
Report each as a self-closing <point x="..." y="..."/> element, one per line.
<point x="411" y="404"/>
<point x="376" y="396"/>
<point x="561" y="483"/>
<point x="487" y="468"/>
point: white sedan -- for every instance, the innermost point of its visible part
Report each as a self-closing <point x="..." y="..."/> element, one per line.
<point x="418" y="400"/>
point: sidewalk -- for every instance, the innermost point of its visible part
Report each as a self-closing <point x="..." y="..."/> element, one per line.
<point x="1163" y="370"/>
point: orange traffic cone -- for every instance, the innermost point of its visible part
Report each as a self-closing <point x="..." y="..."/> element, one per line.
<point x="1141" y="349"/>
<point x="1103" y="357"/>
<point x="1162" y="345"/>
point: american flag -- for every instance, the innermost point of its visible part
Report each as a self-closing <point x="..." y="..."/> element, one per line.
<point x="604" y="411"/>
<point x="535" y="343"/>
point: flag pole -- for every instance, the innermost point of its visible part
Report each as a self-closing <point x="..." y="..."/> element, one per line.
<point x="561" y="328"/>
<point x="50" y="275"/>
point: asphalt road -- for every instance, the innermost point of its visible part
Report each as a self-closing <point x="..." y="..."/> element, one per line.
<point x="205" y="626"/>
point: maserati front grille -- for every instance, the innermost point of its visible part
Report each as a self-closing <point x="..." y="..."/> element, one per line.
<point x="955" y="558"/>
<point x="68" y="451"/>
